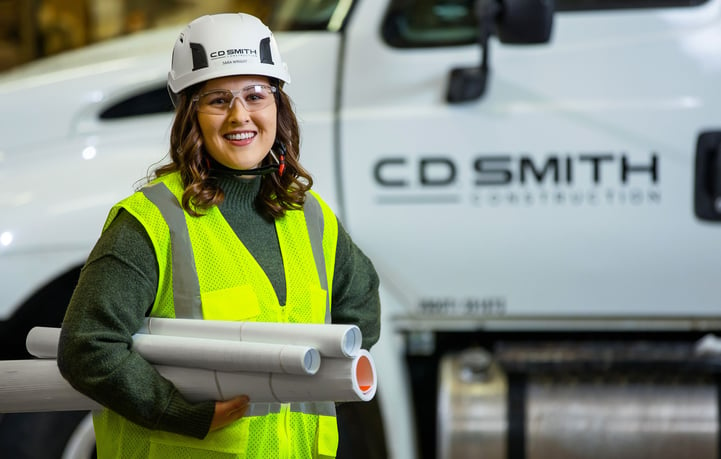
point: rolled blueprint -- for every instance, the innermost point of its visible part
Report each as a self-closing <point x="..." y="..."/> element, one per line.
<point x="351" y="379"/>
<point x="36" y="385"/>
<point x="338" y="379"/>
<point x="213" y="354"/>
<point x="331" y="340"/>
<point x="42" y="342"/>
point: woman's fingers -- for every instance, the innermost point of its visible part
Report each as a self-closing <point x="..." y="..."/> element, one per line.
<point x="228" y="411"/>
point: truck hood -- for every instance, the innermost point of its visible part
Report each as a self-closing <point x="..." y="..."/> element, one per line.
<point x="48" y="97"/>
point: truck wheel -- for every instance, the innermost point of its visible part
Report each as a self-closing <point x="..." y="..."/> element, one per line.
<point x="46" y="308"/>
<point x="50" y="435"/>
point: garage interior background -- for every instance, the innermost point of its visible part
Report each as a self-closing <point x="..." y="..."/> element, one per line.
<point x="30" y="29"/>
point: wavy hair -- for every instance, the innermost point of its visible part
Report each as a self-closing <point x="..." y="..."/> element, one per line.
<point x="189" y="157"/>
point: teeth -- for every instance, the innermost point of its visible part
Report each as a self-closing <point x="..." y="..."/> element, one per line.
<point x="240" y="136"/>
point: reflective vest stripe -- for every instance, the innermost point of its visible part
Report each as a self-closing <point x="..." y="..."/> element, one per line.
<point x="186" y="288"/>
<point x="319" y="408"/>
<point x="314" y="222"/>
<point x="261" y="409"/>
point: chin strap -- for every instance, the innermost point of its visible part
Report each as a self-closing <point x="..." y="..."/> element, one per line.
<point x="220" y="169"/>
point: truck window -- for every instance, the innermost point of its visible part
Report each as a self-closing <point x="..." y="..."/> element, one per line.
<point x="150" y="102"/>
<point x="283" y="15"/>
<point x="434" y="23"/>
<point x="579" y="5"/>
<point x="430" y="23"/>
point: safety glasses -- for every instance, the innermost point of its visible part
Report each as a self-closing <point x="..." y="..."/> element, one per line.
<point x="219" y="101"/>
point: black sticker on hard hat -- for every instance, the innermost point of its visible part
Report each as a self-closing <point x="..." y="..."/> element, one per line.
<point x="266" y="57"/>
<point x="200" y="61"/>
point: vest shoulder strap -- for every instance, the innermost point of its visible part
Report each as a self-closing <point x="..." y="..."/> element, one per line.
<point x="315" y="224"/>
<point x="186" y="288"/>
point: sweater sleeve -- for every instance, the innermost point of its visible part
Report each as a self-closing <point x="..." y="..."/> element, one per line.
<point x="355" y="289"/>
<point x="115" y="291"/>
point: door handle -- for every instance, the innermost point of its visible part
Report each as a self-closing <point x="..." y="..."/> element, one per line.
<point x="707" y="187"/>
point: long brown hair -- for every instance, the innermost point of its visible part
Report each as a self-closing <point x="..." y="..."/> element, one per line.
<point x="187" y="152"/>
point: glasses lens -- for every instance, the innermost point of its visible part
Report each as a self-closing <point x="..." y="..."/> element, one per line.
<point x="253" y="98"/>
<point x="256" y="97"/>
<point x="215" y="102"/>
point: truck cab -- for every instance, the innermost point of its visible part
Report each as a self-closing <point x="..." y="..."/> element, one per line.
<point x="537" y="184"/>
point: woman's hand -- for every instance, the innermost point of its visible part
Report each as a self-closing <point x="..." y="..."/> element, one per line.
<point x="228" y="411"/>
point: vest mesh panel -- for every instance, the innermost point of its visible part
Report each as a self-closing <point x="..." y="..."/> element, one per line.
<point x="275" y="444"/>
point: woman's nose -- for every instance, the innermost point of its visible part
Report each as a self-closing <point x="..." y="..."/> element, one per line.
<point x="237" y="111"/>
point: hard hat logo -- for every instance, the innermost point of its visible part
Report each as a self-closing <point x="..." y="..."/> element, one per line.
<point x="233" y="53"/>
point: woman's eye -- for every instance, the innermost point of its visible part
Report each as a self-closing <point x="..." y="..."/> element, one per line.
<point x="218" y="100"/>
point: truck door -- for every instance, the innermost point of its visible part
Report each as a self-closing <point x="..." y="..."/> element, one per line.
<point x="565" y="191"/>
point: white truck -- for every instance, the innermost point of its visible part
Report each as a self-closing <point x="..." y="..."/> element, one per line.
<point x="538" y="185"/>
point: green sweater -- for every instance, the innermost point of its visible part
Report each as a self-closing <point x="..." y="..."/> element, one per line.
<point x="116" y="291"/>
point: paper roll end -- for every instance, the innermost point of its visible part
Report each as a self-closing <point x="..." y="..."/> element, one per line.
<point x="352" y="341"/>
<point x="312" y="361"/>
<point x="365" y="376"/>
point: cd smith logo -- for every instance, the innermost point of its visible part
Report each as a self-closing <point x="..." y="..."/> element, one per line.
<point x="234" y="52"/>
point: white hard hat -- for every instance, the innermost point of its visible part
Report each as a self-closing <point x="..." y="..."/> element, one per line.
<point x="222" y="45"/>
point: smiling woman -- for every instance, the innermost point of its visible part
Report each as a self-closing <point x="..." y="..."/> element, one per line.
<point x="229" y="229"/>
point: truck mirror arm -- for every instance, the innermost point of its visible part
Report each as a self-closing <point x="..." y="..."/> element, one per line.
<point x="514" y="22"/>
<point x="469" y="83"/>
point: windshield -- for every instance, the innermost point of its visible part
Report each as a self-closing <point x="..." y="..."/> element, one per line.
<point x="282" y="15"/>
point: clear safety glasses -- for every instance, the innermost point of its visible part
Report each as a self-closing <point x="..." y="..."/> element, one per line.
<point x="219" y="101"/>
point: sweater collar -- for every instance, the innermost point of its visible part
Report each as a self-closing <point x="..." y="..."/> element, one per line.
<point x="239" y="192"/>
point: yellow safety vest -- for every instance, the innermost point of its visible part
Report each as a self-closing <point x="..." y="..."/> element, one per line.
<point x="228" y="284"/>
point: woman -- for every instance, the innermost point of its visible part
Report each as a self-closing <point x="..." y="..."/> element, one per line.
<point x="237" y="192"/>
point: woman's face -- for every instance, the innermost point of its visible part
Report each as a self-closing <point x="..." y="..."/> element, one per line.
<point x="237" y="138"/>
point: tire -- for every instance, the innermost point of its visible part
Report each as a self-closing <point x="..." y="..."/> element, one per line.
<point x="45" y="435"/>
<point x="44" y="308"/>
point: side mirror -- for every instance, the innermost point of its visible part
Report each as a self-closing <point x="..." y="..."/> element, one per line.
<point x="514" y="22"/>
<point x="525" y="22"/>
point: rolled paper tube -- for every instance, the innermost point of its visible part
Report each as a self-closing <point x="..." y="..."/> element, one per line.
<point x="331" y="340"/>
<point x="42" y="342"/>
<point x="341" y="380"/>
<point x="338" y="379"/>
<point x="213" y="354"/>
<point x="36" y="385"/>
<point x="197" y="384"/>
<point x="223" y="355"/>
